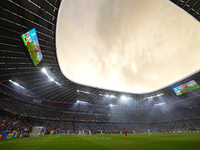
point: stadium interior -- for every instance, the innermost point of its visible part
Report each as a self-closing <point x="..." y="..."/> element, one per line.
<point x="42" y="96"/>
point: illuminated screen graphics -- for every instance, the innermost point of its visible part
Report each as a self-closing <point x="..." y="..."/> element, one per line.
<point x="31" y="42"/>
<point x="189" y="86"/>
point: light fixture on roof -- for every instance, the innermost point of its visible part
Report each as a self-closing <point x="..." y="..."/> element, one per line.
<point x="124" y="97"/>
<point x="44" y="70"/>
<point x="81" y="102"/>
<point x="159" y="94"/>
<point x="110" y="96"/>
<point x="57" y="83"/>
<point x="159" y="104"/>
<point x="16" y="84"/>
<point x="154" y="96"/>
<point x="111" y="105"/>
<point x="83" y="92"/>
<point x="51" y="79"/>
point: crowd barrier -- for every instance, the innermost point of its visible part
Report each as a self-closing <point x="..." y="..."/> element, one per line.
<point x="12" y="135"/>
<point x="185" y="131"/>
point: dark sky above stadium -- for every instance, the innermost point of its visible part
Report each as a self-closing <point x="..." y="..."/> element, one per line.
<point x="133" y="46"/>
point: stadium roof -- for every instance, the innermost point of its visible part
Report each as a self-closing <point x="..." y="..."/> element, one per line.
<point x="18" y="17"/>
<point x="108" y="49"/>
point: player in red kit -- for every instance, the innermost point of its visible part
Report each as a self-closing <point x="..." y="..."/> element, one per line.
<point x="113" y="132"/>
<point x="167" y="131"/>
<point x="36" y="51"/>
<point x="125" y="132"/>
<point x="163" y="130"/>
<point x="186" y="88"/>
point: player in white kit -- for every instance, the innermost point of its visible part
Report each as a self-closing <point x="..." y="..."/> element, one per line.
<point x="101" y="132"/>
<point x="148" y="132"/>
<point x="83" y="132"/>
<point x="90" y="133"/>
<point x="79" y="133"/>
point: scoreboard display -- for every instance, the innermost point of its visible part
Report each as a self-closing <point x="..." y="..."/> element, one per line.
<point x="189" y="86"/>
<point x="31" y="42"/>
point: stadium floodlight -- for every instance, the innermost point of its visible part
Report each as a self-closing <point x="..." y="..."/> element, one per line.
<point x="51" y="79"/>
<point x="44" y="70"/>
<point x="112" y="96"/>
<point x="159" y="94"/>
<point x="57" y="83"/>
<point x="123" y="97"/>
<point x="15" y="83"/>
<point x="111" y="105"/>
<point x="154" y="96"/>
<point x="159" y="104"/>
<point x="86" y="92"/>
<point x="48" y="76"/>
<point x="81" y="101"/>
<point x="83" y="91"/>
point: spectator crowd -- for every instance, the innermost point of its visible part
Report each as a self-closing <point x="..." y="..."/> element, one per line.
<point x="187" y="118"/>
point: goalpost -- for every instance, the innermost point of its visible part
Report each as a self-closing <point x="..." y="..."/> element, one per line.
<point x="38" y="130"/>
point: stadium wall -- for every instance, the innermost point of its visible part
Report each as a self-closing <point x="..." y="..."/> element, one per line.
<point x="12" y="135"/>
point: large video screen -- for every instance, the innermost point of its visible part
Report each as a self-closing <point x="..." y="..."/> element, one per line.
<point x="31" y="42"/>
<point x="189" y="86"/>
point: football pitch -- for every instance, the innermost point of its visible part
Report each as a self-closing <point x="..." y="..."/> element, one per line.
<point x="157" y="141"/>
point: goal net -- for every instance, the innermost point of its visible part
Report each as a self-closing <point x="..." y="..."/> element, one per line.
<point x="38" y="130"/>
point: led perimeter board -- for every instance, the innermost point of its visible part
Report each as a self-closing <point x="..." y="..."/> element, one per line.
<point x="189" y="86"/>
<point x="31" y="42"/>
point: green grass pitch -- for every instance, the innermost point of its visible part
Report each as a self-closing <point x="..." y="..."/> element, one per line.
<point x="157" y="141"/>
